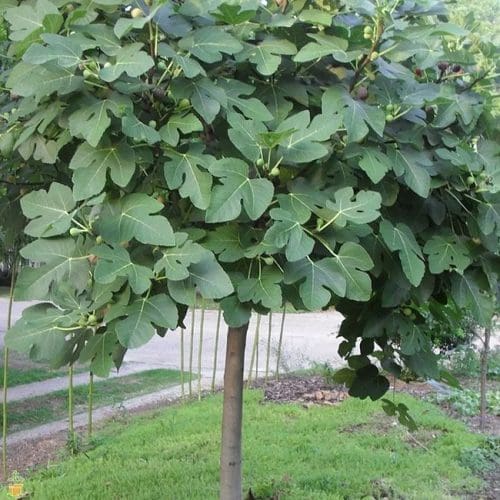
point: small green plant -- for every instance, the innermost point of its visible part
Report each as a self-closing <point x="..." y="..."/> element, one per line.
<point x="484" y="458"/>
<point x="466" y="401"/>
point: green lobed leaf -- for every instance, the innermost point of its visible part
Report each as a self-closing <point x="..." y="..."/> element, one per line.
<point x="41" y="81"/>
<point x="411" y="165"/>
<point x="115" y="262"/>
<point x="266" y="55"/>
<point x="179" y="123"/>
<point x="303" y="144"/>
<point x="92" y="120"/>
<point x="469" y="292"/>
<point x="263" y="289"/>
<point x="51" y="211"/>
<point x="129" y="217"/>
<point x="353" y="261"/>
<point x="91" y="164"/>
<point x="322" y="278"/>
<point x="175" y="261"/>
<point x="447" y="253"/>
<point x="356" y="115"/>
<point x="182" y="171"/>
<point x="237" y="190"/>
<point x="206" y="277"/>
<point x="64" y="51"/>
<point x="401" y="239"/>
<point x="287" y="232"/>
<point x="132" y="127"/>
<point x="325" y="45"/>
<point x="209" y="43"/>
<point x="37" y="331"/>
<point x="361" y="208"/>
<point x="129" y="59"/>
<point x="99" y="351"/>
<point x="62" y="258"/>
<point x="142" y="317"/>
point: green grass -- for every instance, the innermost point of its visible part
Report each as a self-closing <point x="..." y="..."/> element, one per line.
<point x="340" y="452"/>
<point x="42" y="409"/>
<point x="19" y="376"/>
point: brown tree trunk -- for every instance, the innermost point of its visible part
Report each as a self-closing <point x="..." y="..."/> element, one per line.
<point x="230" y="458"/>
<point x="484" y="376"/>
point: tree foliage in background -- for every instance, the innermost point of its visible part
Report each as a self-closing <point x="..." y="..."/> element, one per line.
<point x="321" y="153"/>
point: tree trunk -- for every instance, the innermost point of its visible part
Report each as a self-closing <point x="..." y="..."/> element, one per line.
<point x="230" y="459"/>
<point x="484" y="376"/>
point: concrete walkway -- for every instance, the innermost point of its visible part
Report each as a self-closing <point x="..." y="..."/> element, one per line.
<point x="24" y="391"/>
<point x="106" y="412"/>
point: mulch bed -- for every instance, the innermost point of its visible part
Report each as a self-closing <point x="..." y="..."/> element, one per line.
<point x="305" y="390"/>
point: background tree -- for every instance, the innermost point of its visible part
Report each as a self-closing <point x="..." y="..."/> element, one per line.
<point x="322" y="153"/>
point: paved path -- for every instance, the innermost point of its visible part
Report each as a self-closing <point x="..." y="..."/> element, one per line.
<point x="24" y="391"/>
<point x="105" y="413"/>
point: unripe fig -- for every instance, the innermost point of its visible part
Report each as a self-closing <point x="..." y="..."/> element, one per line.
<point x="260" y="162"/>
<point x="470" y="180"/>
<point x="268" y="260"/>
<point x="107" y="64"/>
<point x="407" y="311"/>
<point x="362" y="93"/>
<point x="389" y="118"/>
<point x="374" y="55"/>
<point x="152" y="123"/>
<point x="184" y="103"/>
<point x="162" y="66"/>
<point x="476" y="241"/>
<point x="74" y="231"/>
<point x="483" y="176"/>
<point x="367" y="36"/>
<point x="92" y="319"/>
<point x="87" y="73"/>
<point x="274" y="172"/>
<point x="98" y="240"/>
<point x="367" y="29"/>
<point x="136" y="13"/>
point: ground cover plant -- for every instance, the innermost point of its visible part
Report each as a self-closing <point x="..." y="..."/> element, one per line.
<point x="39" y="410"/>
<point x="347" y="451"/>
<point x="315" y="152"/>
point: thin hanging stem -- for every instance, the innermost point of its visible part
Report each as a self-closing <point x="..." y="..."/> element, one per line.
<point x="257" y="331"/>
<point x="182" y="363"/>
<point x="191" y="347"/>
<point x="90" y="424"/>
<point x="200" y="345"/>
<point x="6" y="369"/>
<point x="268" y="350"/>
<point x="216" y="348"/>
<point x="70" y="404"/>
<point x="254" y="350"/>
<point x="280" y="342"/>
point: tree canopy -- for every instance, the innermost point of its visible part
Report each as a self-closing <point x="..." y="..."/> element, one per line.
<point x="320" y="153"/>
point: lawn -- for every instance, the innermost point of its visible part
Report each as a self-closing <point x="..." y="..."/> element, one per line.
<point x="24" y="371"/>
<point x="42" y="409"/>
<point x="324" y="452"/>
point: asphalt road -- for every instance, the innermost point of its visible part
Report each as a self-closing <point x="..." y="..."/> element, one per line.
<point x="308" y="338"/>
